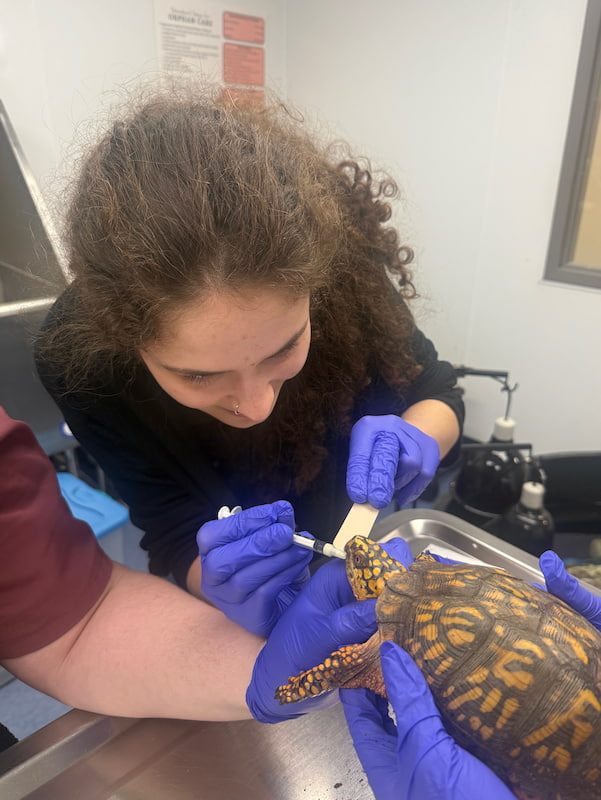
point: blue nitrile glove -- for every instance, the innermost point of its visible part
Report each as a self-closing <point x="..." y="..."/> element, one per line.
<point x="251" y="570"/>
<point x="418" y="759"/>
<point x="568" y="588"/>
<point x="389" y="457"/>
<point x="324" y="617"/>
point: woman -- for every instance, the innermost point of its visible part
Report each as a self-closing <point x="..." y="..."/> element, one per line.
<point x="231" y="321"/>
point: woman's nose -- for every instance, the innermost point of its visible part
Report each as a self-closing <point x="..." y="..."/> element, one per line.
<point x="256" y="400"/>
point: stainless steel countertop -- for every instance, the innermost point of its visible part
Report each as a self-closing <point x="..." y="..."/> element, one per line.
<point x="90" y="757"/>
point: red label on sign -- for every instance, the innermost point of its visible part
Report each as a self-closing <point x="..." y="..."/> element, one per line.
<point x="243" y="64"/>
<point x="243" y="28"/>
<point x="250" y="98"/>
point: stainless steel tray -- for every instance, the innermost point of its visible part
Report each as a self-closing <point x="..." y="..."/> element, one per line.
<point x="449" y="535"/>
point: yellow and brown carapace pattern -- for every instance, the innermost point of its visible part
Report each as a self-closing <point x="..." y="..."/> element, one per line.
<point x="515" y="672"/>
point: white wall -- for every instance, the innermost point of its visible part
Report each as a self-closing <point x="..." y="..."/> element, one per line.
<point x="57" y="59"/>
<point x="467" y="103"/>
<point x="62" y="61"/>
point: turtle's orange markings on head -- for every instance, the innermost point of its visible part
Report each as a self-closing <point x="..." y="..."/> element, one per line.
<point x="368" y="567"/>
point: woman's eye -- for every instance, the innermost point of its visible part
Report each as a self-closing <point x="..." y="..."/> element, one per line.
<point x="197" y="379"/>
<point x="283" y="354"/>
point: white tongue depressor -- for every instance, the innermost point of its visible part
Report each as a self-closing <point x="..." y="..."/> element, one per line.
<point x="358" y="522"/>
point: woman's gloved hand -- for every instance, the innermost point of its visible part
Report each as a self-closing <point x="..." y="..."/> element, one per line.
<point x="418" y="759"/>
<point x="389" y="457"/>
<point x="568" y="588"/>
<point x="324" y="617"/>
<point x="251" y="570"/>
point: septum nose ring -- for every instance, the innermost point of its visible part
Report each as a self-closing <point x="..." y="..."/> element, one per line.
<point x="237" y="409"/>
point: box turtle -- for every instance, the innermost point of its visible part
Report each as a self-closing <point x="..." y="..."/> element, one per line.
<point x="515" y="672"/>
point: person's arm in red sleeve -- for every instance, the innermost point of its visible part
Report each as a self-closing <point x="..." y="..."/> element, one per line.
<point x="92" y="633"/>
<point x="103" y="638"/>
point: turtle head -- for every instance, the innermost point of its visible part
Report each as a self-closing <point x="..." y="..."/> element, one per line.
<point x="368" y="567"/>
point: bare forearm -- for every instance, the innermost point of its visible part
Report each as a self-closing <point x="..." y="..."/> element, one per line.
<point x="436" y="419"/>
<point x="148" y="649"/>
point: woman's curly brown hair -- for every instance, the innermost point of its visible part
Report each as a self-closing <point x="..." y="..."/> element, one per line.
<point x="189" y="194"/>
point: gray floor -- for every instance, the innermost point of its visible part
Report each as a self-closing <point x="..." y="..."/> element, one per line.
<point x="24" y="710"/>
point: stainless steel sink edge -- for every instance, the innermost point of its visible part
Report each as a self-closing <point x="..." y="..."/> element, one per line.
<point x="421" y="526"/>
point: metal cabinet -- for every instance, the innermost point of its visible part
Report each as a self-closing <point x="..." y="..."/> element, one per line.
<point x="32" y="274"/>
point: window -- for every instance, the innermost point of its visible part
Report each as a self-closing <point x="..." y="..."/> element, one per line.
<point x="575" y="247"/>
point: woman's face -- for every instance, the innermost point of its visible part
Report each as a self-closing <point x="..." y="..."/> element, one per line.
<point x="231" y="349"/>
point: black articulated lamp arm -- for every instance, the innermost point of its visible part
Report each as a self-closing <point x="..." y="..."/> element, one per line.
<point x="461" y="371"/>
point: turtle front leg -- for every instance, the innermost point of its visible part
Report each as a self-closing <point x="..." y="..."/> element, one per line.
<point x="352" y="667"/>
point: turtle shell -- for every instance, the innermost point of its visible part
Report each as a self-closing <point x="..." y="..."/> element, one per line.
<point x="515" y="672"/>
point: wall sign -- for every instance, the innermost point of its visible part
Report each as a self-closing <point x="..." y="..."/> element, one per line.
<point x="216" y="41"/>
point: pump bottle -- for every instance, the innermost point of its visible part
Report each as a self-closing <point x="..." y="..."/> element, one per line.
<point x="527" y="524"/>
<point x="491" y="477"/>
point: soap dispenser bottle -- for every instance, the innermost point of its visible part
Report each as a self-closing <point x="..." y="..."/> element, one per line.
<point x="492" y="474"/>
<point x="527" y="524"/>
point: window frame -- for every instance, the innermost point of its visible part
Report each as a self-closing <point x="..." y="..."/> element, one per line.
<point x="584" y="119"/>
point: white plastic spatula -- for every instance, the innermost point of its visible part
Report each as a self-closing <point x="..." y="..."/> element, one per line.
<point x="358" y="522"/>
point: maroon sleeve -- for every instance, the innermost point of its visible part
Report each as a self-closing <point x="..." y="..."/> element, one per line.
<point x="52" y="569"/>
